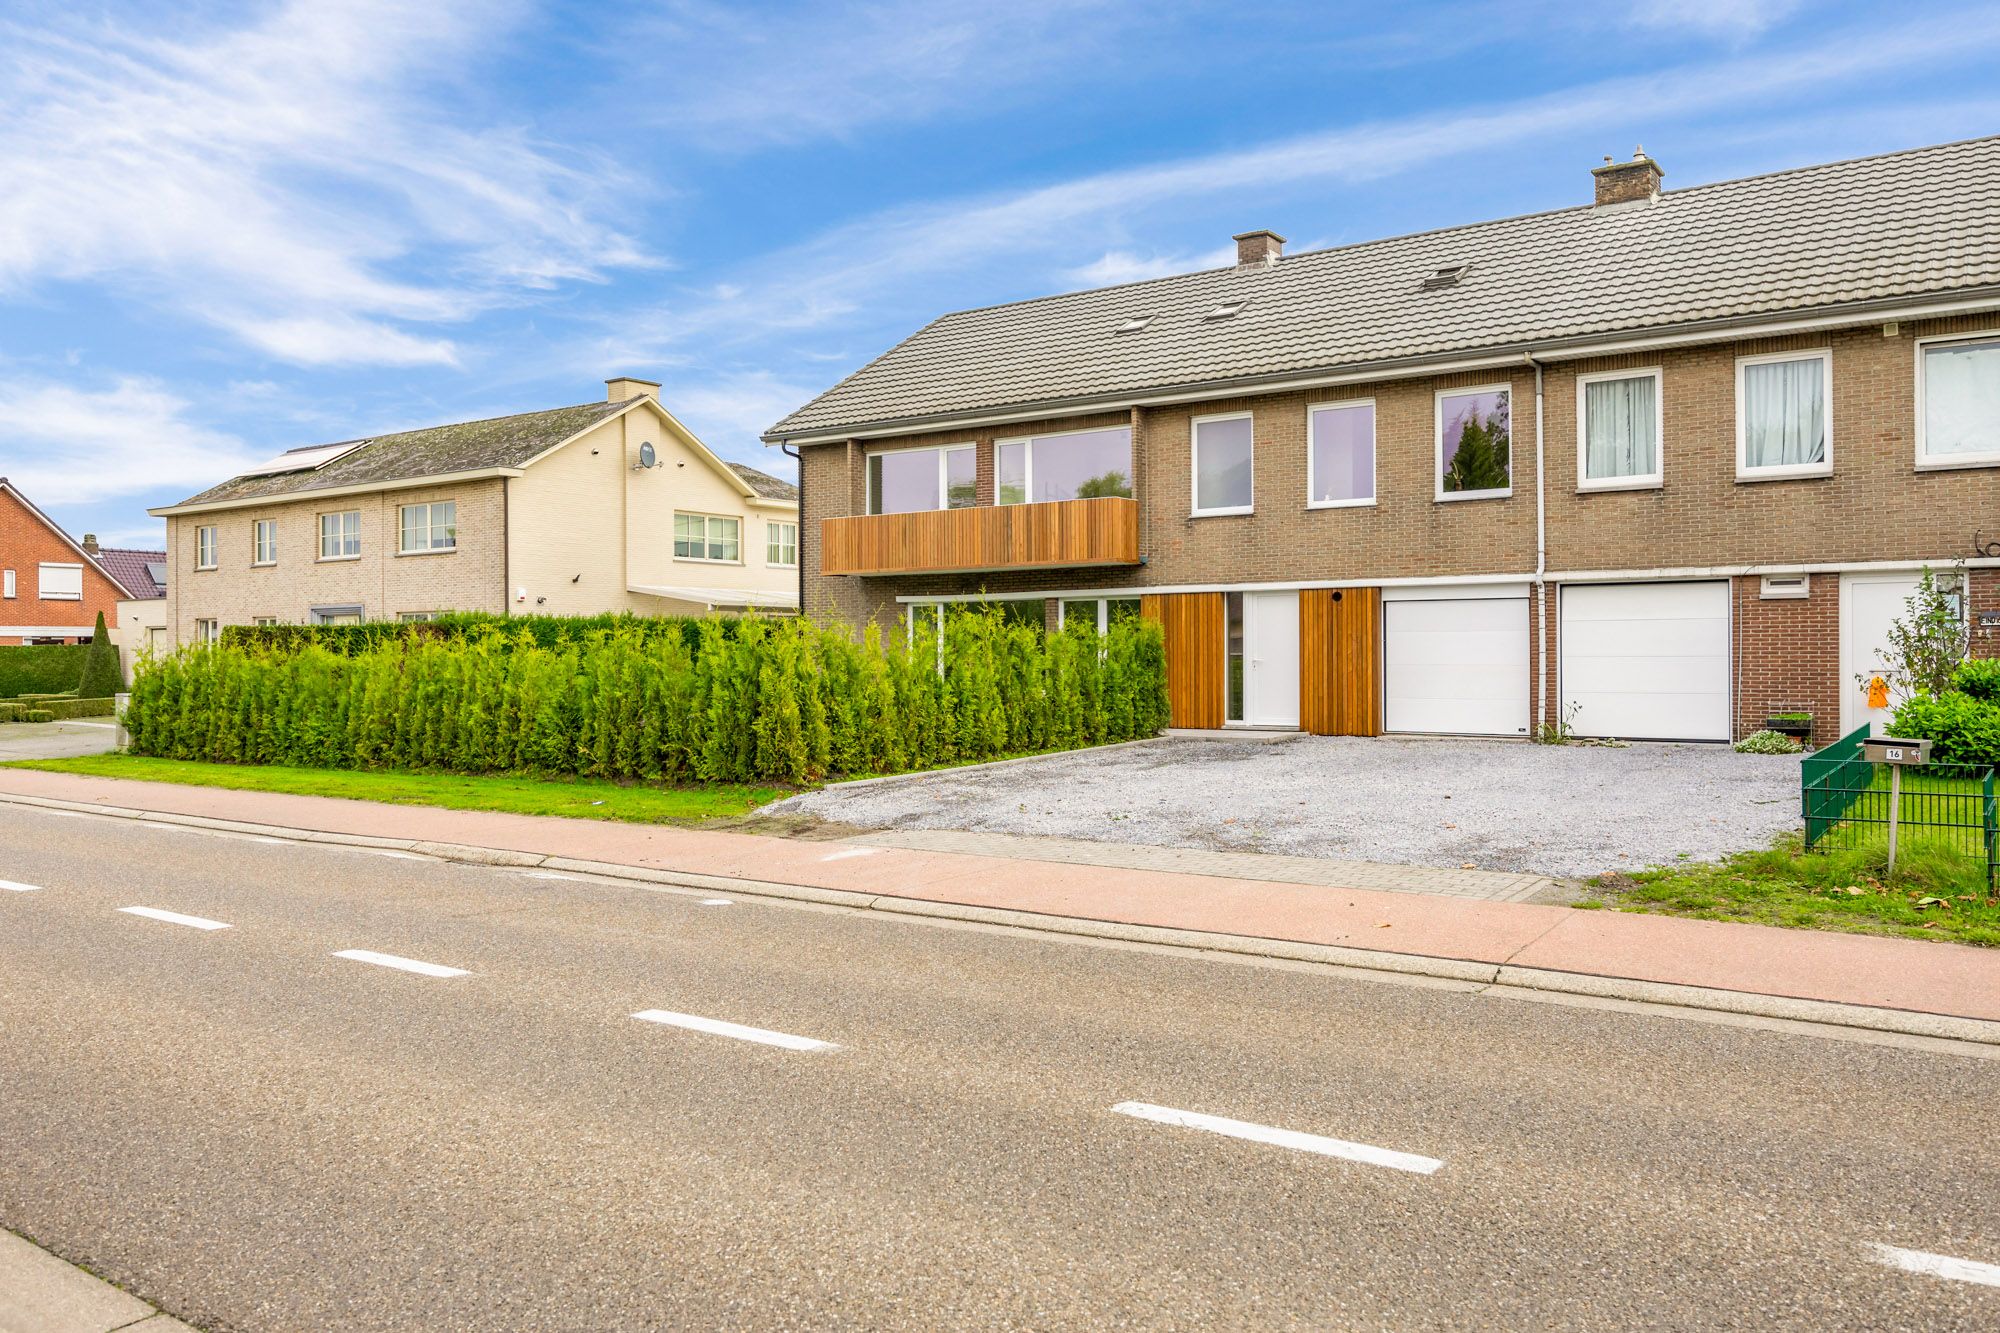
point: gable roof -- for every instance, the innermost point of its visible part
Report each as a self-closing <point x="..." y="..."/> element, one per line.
<point x="1835" y="238"/>
<point x="766" y="485"/>
<point x="35" y="510"/>
<point x="434" y="451"/>
<point x="133" y="571"/>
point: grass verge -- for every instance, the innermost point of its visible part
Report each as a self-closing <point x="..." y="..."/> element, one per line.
<point x="1937" y="894"/>
<point x="573" y="798"/>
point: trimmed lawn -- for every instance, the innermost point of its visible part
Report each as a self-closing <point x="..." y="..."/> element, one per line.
<point x="1938" y="893"/>
<point x="574" y="798"/>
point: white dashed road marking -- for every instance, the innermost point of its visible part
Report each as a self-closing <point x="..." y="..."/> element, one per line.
<point x="392" y="854"/>
<point x="176" y="918"/>
<point x="851" y="851"/>
<point x="13" y="887"/>
<point x="549" y="874"/>
<point x="1938" y="1265"/>
<point x="1283" y="1138"/>
<point x="715" y="902"/>
<point x="401" y="964"/>
<point x="736" y="1030"/>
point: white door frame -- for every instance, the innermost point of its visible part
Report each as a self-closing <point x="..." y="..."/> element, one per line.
<point x="1265" y="663"/>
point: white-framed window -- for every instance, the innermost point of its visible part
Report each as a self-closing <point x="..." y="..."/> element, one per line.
<point x="1099" y="613"/>
<point x="7" y="588"/>
<point x="59" y="583"/>
<point x="1340" y="454"/>
<point x="1619" y="426"/>
<point x="417" y="617"/>
<point x="708" y="537"/>
<point x="1064" y="465"/>
<point x="908" y="481"/>
<point x="204" y="548"/>
<point x="1224" y="460"/>
<point x="1784" y="415"/>
<point x="427" y="527"/>
<point x="781" y="544"/>
<point x="1475" y="443"/>
<point x="207" y="631"/>
<point x="263" y="622"/>
<point x="264" y="542"/>
<point x="336" y="615"/>
<point x="1958" y="401"/>
<point x="340" y="535"/>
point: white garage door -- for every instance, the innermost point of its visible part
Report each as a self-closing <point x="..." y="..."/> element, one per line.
<point x="1646" y="661"/>
<point x="1456" y="667"/>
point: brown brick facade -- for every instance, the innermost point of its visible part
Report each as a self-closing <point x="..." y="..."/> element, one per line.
<point x="27" y="541"/>
<point x="1786" y="655"/>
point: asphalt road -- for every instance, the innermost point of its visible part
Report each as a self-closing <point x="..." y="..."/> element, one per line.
<point x="252" y="1132"/>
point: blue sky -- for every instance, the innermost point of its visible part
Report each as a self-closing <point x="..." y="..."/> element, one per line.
<point x="231" y="228"/>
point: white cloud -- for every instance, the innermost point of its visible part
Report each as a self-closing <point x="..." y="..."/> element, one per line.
<point x="1737" y="19"/>
<point x="1119" y="266"/>
<point x="299" y="182"/>
<point x="68" y="445"/>
<point x="728" y="412"/>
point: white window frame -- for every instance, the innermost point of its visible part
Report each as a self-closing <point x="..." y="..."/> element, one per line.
<point x="1948" y="462"/>
<point x="1788" y="472"/>
<point x="206" y="554"/>
<point x="944" y="481"/>
<point x="207" y="631"/>
<point x="1103" y="605"/>
<point x="1374" y="472"/>
<point x="431" y="525"/>
<point x="1027" y="443"/>
<point x="263" y="554"/>
<point x="1195" y="424"/>
<point x="264" y="622"/>
<point x="7" y="585"/>
<point x="707" y="519"/>
<point x="340" y="535"/>
<point x="1437" y="442"/>
<point x="1650" y="481"/>
<point x="417" y="617"/>
<point x="771" y="527"/>
<point x="42" y="593"/>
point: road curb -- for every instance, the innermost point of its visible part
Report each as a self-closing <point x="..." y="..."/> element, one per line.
<point x="1472" y="975"/>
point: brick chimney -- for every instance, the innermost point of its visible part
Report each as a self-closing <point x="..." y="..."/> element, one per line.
<point x="624" y="389"/>
<point x="90" y="544"/>
<point x="1628" y="182"/>
<point x="1258" y="249"/>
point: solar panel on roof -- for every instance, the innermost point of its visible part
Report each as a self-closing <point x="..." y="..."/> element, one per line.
<point x="309" y="459"/>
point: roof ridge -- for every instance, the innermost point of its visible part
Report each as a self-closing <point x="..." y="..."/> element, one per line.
<point x="448" y="425"/>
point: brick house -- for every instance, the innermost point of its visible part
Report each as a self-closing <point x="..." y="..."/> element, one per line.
<point x="1660" y="464"/>
<point x="611" y="506"/>
<point x="51" y="585"/>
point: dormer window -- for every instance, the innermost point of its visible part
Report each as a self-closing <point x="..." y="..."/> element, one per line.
<point x="1448" y="276"/>
<point x="1226" y="310"/>
<point x="1135" y="324"/>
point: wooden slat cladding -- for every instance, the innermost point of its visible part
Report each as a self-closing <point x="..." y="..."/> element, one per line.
<point x="1195" y="665"/>
<point x="1098" y="531"/>
<point x="1340" y="654"/>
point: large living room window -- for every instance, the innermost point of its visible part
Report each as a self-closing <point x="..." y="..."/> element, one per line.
<point x="428" y="527"/>
<point x="1475" y="456"/>
<point x="1958" y="402"/>
<point x="1067" y="465"/>
<point x="1784" y="419"/>
<point x="1618" y="430"/>
<point x="340" y="535"/>
<point x="1340" y="454"/>
<point x="708" y="537"/>
<point x="905" y="481"/>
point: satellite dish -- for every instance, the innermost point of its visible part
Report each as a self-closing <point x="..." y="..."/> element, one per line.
<point x="647" y="458"/>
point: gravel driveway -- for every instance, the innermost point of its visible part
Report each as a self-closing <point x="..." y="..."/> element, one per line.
<point x="1497" y="805"/>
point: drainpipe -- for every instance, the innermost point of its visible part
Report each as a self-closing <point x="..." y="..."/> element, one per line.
<point x="1541" y="560"/>
<point x="787" y="449"/>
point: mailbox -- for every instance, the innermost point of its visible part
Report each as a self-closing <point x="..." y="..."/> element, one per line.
<point x="1884" y="750"/>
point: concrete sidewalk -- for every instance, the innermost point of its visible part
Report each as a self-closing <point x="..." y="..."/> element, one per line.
<point x="39" y="1293"/>
<point x="1908" y="986"/>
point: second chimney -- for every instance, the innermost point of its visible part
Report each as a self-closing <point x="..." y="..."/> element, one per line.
<point x="625" y="388"/>
<point x="1258" y="249"/>
<point x="90" y="545"/>
<point x="1628" y="182"/>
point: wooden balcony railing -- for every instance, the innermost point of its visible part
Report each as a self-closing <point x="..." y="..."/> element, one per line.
<point x="1100" y="531"/>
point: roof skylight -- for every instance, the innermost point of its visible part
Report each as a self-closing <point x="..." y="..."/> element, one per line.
<point x="1134" y="324"/>
<point x="1226" y="310"/>
<point x="1447" y="276"/>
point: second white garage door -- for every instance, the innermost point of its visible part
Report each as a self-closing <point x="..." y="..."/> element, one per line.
<point x="1455" y="665"/>
<point x="1646" y="661"/>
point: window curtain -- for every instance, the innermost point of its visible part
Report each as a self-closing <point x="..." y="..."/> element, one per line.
<point x="1962" y="400"/>
<point x="1621" y="422"/>
<point x="1784" y="413"/>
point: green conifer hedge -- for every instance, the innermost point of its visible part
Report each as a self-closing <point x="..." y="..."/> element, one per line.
<point x="714" y="700"/>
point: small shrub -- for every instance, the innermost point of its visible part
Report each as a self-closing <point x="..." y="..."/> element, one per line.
<point x="102" y="676"/>
<point x="38" y="715"/>
<point x="1962" y="729"/>
<point x="11" y="712"/>
<point x="1768" y="742"/>
<point x="1978" y="677"/>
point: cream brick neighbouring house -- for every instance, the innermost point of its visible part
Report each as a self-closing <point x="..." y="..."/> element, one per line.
<point x="546" y="513"/>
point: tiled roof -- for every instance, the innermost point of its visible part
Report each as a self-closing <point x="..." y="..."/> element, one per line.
<point x="766" y="485"/>
<point x="132" y="570"/>
<point x="466" y="446"/>
<point x="1910" y="224"/>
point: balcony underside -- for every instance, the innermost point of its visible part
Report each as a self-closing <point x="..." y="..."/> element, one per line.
<point x="1062" y="534"/>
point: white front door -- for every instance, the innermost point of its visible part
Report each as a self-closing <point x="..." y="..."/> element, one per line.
<point x="1646" y="661"/>
<point x="1271" y="658"/>
<point x="1455" y="664"/>
<point x="1869" y="605"/>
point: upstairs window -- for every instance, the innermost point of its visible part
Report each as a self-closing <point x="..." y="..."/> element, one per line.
<point x="1340" y="454"/>
<point x="1958" y="402"/>
<point x="340" y="535"/>
<point x="1069" y="465"/>
<point x="204" y="548"/>
<point x="60" y="583"/>
<point x="429" y="527"/>
<point x="6" y="583"/>
<point x="1475" y="454"/>
<point x="708" y="537"/>
<point x="781" y="544"/>
<point x="264" y="542"/>
<point x="1224" y="458"/>
<point x="1784" y="419"/>
<point x="1618" y="430"/>
<point x="907" y="481"/>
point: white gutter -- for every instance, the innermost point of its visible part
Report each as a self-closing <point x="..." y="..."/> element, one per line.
<point x="1541" y="562"/>
<point x="335" y="492"/>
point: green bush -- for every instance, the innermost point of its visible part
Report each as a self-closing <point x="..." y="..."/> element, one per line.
<point x="1978" y="677"/>
<point x="541" y="631"/>
<point x="102" y="676"/>
<point x="38" y="715"/>
<point x="712" y="700"/>
<point x="1768" y="742"/>
<point x="40" y="668"/>
<point x="11" y="712"/>
<point x="1963" y="729"/>
<point x="62" y="710"/>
